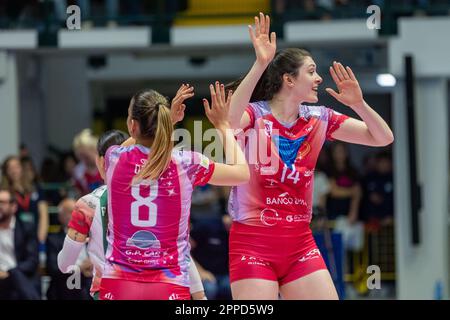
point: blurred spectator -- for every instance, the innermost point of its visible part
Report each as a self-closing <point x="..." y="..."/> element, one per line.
<point x="205" y="202"/>
<point x="24" y="152"/>
<point x="86" y="175"/>
<point x="58" y="289"/>
<point x="308" y="9"/>
<point x="50" y="177"/>
<point x="29" y="170"/>
<point x="31" y="205"/>
<point x="209" y="241"/>
<point x="378" y="190"/>
<point x="111" y="8"/>
<point x="68" y="164"/>
<point x="18" y="253"/>
<point x="321" y="185"/>
<point x="369" y="164"/>
<point x="345" y="191"/>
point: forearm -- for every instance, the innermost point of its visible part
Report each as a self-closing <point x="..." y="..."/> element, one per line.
<point x="243" y="93"/>
<point x="233" y="152"/>
<point x="377" y="127"/>
<point x="43" y="223"/>
<point x="68" y="255"/>
<point x="195" y="280"/>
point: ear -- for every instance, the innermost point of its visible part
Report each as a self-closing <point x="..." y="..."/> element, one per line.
<point x="134" y="128"/>
<point x="288" y="80"/>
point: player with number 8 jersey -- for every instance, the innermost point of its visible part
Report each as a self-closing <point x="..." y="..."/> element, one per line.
<point x="150" y="187"/>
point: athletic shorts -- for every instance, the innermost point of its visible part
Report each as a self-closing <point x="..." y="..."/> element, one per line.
<point x="119" y="289"/>
<point x="277" y="254"/>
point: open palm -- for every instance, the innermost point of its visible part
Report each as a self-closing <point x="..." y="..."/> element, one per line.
<point x="350" y="92"/>
<point x="177" y="107"/>
<point x="264" y="45"/>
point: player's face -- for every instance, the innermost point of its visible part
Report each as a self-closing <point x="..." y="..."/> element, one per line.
<point x="307" y="82"/>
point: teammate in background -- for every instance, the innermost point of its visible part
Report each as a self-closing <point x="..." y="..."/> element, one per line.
<point x="272" y="249"/>
<point x="150" y="188"/>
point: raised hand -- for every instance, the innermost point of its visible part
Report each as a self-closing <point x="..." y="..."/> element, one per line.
<point x="350" y="92"/>
<point x="177" y="107"/>
<point x="220" y="105"/>
<point x="265" y="47"/>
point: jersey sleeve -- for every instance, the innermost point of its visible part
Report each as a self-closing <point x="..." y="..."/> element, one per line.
<point x="82" y="215"/>
<point x="201" y="169"/>
<point x="110" y="154"/>
<point x="335" y="120"/>
<point x="251" y="113"/>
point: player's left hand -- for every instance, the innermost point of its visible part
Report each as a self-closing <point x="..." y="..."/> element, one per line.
<point x="350" y="92"/>
<point x="177" y="107"/>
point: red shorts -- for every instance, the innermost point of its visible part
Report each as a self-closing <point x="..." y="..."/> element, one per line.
<point x="119" y="289"/>
<point x="277" y="254"/>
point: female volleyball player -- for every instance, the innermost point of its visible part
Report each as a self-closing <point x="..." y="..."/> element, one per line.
<point x="149" y="193"/>
<point x="272" y="250"/>
<point x="89" y="220"/>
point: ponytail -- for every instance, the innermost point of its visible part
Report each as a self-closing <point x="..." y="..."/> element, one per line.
<point x="161" y="149"/>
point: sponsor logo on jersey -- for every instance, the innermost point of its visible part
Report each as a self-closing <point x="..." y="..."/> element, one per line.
<point x="308" y="173"/>
<point x="297" y="217"/>
<point x="268" y="126"/>
<point x="143" y="239"/>
<point x="286" y="199"/>
<point x="271" y="183"/>
<point x="268" y="170"/>
<point x="269" y="217"/>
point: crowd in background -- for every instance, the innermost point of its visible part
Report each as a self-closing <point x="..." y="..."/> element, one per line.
<point x="38" y="206"/>
<point x="111" y="13"/>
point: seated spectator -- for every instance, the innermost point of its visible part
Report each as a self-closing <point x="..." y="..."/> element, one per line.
<point x="59" y="289"/>
<point x="18" y="253"/>
<point x="345" y="191"/>
<point x="209" y="241"/>
<point x="378" y="190"/>
<point x="32" y="206"/>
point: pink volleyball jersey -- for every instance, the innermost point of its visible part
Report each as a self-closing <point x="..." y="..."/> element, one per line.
<point x="148" y="225"/>
<point x="281" y="162"/>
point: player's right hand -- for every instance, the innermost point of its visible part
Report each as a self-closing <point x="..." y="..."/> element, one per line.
<point x="265" y="46"/>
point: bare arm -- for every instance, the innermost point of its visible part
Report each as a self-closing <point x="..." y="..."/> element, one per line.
<point x="372" y="130"/>
<point x="43" y="223"/>
<point x="265" y="48"/>
<point x="354" y="204"/>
